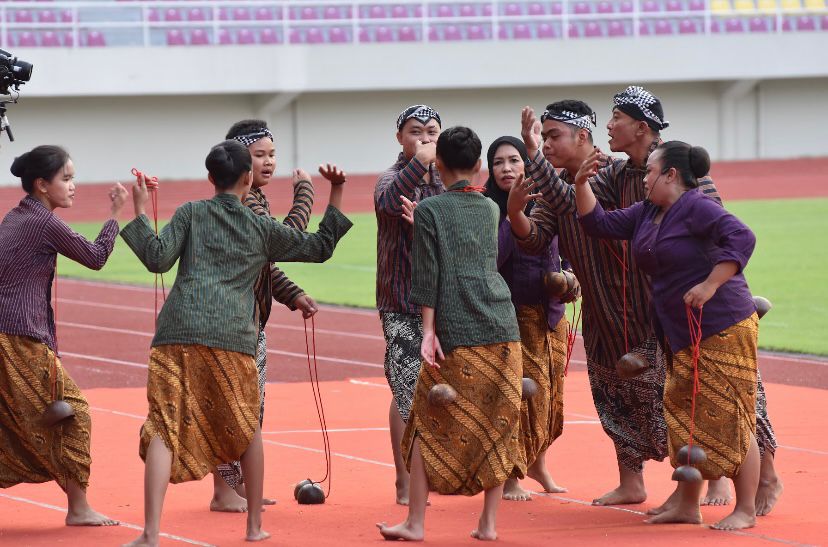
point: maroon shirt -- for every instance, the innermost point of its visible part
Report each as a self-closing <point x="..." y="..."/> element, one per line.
<point x="31" y="237"/>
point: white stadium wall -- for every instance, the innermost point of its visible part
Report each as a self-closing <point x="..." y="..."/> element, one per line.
<point x="160" y="109"/>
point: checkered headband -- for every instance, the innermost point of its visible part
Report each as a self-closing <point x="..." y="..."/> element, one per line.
<point x="642" y="105"/>
<point x="420" y="112"/>
<point x="250" y="138"/>
<point x="585" y="121"/>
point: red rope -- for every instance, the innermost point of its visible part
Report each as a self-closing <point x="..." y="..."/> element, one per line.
<point x="53" y="368"/>
<point x="317" y="399"/>
<point x="571" y="331"/>
<point x="152" y="187"/>
<point x="695" y="327"/>
<point x="623" y="261"/>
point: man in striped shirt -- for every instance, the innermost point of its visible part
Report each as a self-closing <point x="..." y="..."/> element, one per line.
<point x="413" y="177"/>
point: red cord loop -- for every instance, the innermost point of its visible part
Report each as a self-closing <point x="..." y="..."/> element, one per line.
<point x="571" y="331"/>
<point x="152" y="182"/>
<point x="317" y="398"/>
<point x="152" y="185"/>
<point x="694" y="325"/>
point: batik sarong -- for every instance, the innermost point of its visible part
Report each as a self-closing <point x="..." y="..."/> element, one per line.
<point x="725" y="416"/>
<point x="474" y="443"/>
<point x="403" y="336"/>
<point x="203" y="404"/>
<point x="30" y="451"/>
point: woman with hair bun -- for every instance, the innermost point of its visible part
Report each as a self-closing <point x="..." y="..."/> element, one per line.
<point x="202" y="386"/>
<point x="695" y="253"/>
<point x="31" y="375"/>
<point x="468" y="441"/>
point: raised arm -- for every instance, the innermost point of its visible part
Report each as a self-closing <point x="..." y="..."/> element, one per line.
<point x="63" y="240"/>
<point x="158" y="252"/>
<point x="393" y="185"/>
<point x="303" y="194"/>
<point x="285" y="244"/>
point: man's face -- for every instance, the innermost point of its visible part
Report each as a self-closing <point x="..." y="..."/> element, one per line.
<point x="414" y="131"/>
<point x="560" y="142"/>
<point x="623" y="130"/>
<point x="264" y="161"/>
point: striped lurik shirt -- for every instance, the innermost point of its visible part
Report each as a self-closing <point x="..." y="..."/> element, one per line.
<point x="455" y="270"/>
<point x="31" y="237"/>
<point x="594" y="261"/>
<point x="273" y="283"/>
<point x="394" y="234"/>
<point x="221" y="247"/>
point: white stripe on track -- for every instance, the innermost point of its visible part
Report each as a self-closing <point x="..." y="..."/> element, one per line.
<point x="122" y="524"/>
<point x="343" y="430"/>
<point x="103" y="360"/>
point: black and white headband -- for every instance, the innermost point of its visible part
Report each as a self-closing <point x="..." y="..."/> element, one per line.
<point x="641" y="105"/>
<point x="584" y="121"/>
<point x="250" y="138"/>
<point x="420" y="112"/>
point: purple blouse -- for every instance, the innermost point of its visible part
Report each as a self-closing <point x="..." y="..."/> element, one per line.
<point x="31" y="237"/>
<point x="523" y="273"/>
<point x="694" y="235"/>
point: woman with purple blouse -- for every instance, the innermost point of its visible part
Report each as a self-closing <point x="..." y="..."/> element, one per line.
<point x="695" y="253"/>
<point x="31" y="376"/>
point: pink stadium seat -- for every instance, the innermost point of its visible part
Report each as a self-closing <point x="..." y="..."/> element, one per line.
<point x="67" y="16"/>
<point x="68" y="39"/>
<point x="399" y="12"/>
<point x="172" y="14"/>
<point x="26" y="39"/>
<point x="308" y="13"/>
<point x="175" y="38"/>
<point x="787" y="25"/>
<point x="444" y="10"/>
<point x="224" y="37"/>
<point x="616" y="28"/>
<point x="824" y="22"/>
<point x="696" y="5"/>
<point x="663" y="27"/>
<point x="734" y="25"/>
<point x="338" y="35"/>
<point x="686" y="26"/>
<point x="573" y="31"/>
<point x="46" y="16"/>
<point x="452" y="32"/>
<point x="263" y="14"/>
<point x="626" y="6"/>
<point x="95" y="39"/>
<point x="513" y="10"/>
<point x="503" y="33"/>
<point x="49" y="39"/>
<point x="536" y="8"/>
<point x="241" y="14"/>
<point x="199" y="37"/>
<point x="9" y="41"/>
<point x="605" y="7"/>
<point x="245" y="36"/>
<point x="582" y="8"/>
<point x="674" y="5"/>
<point x="383" y="34"/>
<point x="377" y="12"/>
<point x="545" y="30"/>
<point x="22" y="16"/>
<point x="467" y="10"/>
<point x="644" y="28"/>
<point x="475" y="32"/>
<point x="407" y="34"/>
<point x="487" y="10"/>
<point x="153" y="15"/>
<point x="557" y="8"/>
<point x="593" y="30"/>
<point x="805" y="23"/>
<point x="418" y="11"/>
<point x="268" y="36"/>
<point x="364" y="35"/>
<point x="196" y="14"/>
<point x="650" y="5"/>
<point x="433" y="34"/>
<point x="521" y="32"/>
<point x="296" y="37"/>
<point x="314" y="35"/>
<point x="758" y="24"/>
<point x="332" y="12"/>
<point x="715" y="26"/>
<point x="223" y="15"/>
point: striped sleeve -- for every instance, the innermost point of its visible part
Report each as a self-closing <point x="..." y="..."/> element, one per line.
<point x="392" y="185"/>
<point x="300" y="212"/>
<point x="709" y="189"/>
<point x="543" y="224"/>
<point x="558" y="194"/>
<point x="60" y="237"/>
<point x="284" y="290"/>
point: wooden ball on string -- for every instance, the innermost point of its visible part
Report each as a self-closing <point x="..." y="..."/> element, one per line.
<point x="763" y="305"/>
<point x="299" y="486"/>
<point x="688" y="455"/>
<point x="441" y="395"/>
<point x="56" y="412"/>
<point x="529" y="388"/>
<point x="631" y="365"/>
<point x="557" y="284"/>
<point x="311" y="494"/>
<point x="687" y="473"/>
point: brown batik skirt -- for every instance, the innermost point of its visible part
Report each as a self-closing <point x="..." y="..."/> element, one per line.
<point x="544" y="361"/>
<point x="204" y="405"/>
<point x="474" y="443"/>
<point x="30" y="451"/>
<point x="725" y="404"/>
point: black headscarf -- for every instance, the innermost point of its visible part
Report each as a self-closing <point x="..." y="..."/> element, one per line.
<point x="493" y="191"/>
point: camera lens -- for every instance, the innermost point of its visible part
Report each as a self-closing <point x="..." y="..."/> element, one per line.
<point x="22" y="70"/>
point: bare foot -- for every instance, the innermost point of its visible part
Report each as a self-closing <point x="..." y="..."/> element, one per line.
<point x="622" y="496"/>
<point x="545" y="480"/>
<point x="228" y="501"/>
<point x="512" y="491"/>
<point x="403" y="531"/>
<point x="256" y="535"/>
<point x="142" y="541"/>
<point x="718" y="492"/>
<point x="676" y="515"/>
<point x="484" y="536"/>
<point x="268" y="501"/>
<point x="767" y="495"/>
<point x="88" y="517"/>
<point x="671" y="503"/>
<point x="737" y="520"/>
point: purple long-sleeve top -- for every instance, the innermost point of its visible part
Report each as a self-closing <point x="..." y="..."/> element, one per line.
<point x="524" y="272"/>
<point x="31" y="236"/>
<point x="694" y="235"/>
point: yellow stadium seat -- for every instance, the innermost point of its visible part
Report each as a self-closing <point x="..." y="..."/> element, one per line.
<point x="791" y="4"/>
<point x="814" y="4"/>
<point x="767" y="6"/>
<point x="744" y="5"/>
<point x="720" y="5"/>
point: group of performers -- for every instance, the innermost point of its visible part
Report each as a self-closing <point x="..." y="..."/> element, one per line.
<point x="465" y="304"/>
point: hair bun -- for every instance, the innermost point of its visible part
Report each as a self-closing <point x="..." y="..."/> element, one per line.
<point x="20" y="164"/>
<point x="699" y="161"/>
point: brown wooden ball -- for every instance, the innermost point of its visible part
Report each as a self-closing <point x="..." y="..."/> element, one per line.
<point x="311" y="494"/>
<point x="555" y="284"/>
<point x="687" y="473"/>
<point x="697" y="455"/>
<point x="763" y="305"/>
<point x="631" y="365"/>
<point x="441" y="395"/>
<point x="56" y="412"/>
<point x="530" y="388"/>
<point x="299" y="486"/>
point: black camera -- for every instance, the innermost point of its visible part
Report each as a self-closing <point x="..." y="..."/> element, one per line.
<point x="13" y="74"/>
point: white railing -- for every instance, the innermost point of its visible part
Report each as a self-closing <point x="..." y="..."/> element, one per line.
<point x="162" y="23"/>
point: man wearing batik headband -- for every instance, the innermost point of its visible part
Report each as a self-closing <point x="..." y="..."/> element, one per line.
<point x="412" y="177"/>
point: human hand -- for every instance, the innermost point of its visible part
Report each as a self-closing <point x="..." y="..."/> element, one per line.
<point x="530" y="130"/>
<point x="299" y="175"/>
<point x="589" y="168"/>
<point x="430" y="349"/>
<point x="697" y="296"/>
<point x="408" y="207"/>
<point x="306" y="305"/>
<point x="335" y="175"/>
<point x="574" y="293"/>
<point x="426" y="152"/>
<point x="520" y="194"/>
<point x="140" y="194"/>
<point x="117" y="195"/>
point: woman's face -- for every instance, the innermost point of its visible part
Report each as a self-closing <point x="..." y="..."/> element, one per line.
<point x="656" y="182"/>
<point x="263" y="152"/>
<point x="506" y="166"/>
<point x="60" y="190"/>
